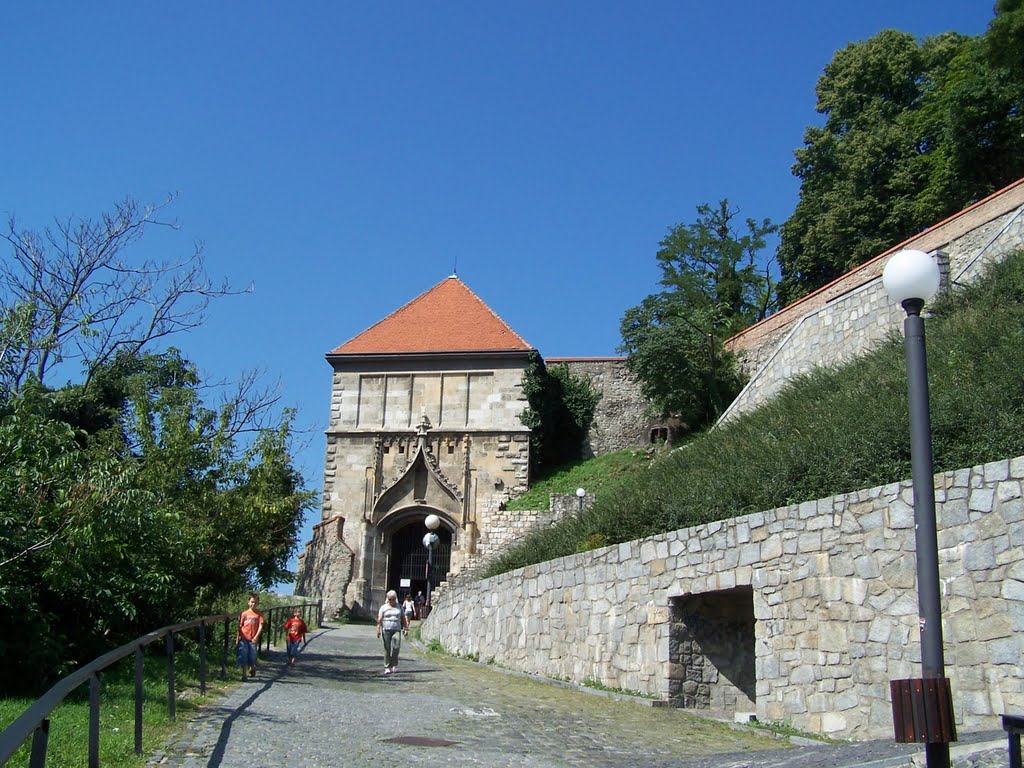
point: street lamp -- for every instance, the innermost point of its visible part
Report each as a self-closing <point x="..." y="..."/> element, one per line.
<point x="581" y="494"/>
<point x="912" y="278"/>
<point x="430" y="540"/>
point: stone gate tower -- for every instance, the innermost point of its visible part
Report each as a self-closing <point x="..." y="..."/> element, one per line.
<point x="424" y="420"/>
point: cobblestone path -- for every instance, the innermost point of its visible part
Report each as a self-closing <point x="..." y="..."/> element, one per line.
<point x="336" y="708"/>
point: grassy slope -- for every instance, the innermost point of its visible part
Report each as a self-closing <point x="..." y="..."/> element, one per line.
<point x="69" y="725"/>
<point x="593" y="475"/>
<point x="832" y="431"/>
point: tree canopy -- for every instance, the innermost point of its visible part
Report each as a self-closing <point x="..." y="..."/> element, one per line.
<point x="913" y="132"/>
<point x="716" y="282"/>
<point x="126" y="500"/>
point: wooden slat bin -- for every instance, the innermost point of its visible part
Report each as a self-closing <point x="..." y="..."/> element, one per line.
<point x="922" y="710"/>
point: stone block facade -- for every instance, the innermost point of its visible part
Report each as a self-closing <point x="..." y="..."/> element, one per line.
<point x="847" y="317"/>
<point x="802" y="614"/>
<point x="408" y="438"/>
<point x="501" y="527"/>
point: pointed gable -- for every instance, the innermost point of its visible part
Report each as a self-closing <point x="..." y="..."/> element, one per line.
<point x="447" y="318"/>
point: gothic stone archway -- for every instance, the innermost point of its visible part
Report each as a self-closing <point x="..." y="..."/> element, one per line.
<point x="407" y="557"/>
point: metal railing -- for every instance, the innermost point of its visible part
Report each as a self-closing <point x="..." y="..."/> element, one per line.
<point x="274" y="619"/>
<point x="34" y="722"/>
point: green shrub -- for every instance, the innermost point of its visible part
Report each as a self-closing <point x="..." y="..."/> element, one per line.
<point x="832" y="431"/>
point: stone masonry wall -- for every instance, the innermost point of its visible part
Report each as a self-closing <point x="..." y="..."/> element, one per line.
<point x="325" y="566"/>
<point x="832" y="598"/>
<point x="504" y="527"/>
<point x="620" y="420"/>
<point x="847" y="317"/>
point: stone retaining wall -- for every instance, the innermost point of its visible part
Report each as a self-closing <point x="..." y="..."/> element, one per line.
<point x="847" y="317"/>
<point x="828" y="588"/>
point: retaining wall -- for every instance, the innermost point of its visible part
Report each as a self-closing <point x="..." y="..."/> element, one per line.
<point x="818" y="601"/>
<point x="847" y="317"/>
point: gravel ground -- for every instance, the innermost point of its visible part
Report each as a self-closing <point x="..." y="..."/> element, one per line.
<point x="336" y="708"/>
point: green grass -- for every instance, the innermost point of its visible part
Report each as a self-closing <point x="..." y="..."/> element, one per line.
<point x="69" y="723"/>
<point x="593" y="475"/>
<point x="597" y="685"/>
<point x="833" y="431"/>
<point x="785" y="729"/>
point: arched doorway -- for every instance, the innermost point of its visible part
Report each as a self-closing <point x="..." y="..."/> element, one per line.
<point x="407" y="564"/>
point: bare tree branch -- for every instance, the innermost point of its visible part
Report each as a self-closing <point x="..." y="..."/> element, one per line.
<point x="251" y="405"/>
<point x="89" y="300"/>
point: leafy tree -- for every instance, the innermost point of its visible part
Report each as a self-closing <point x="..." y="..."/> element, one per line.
<point x="716" y="282"/>
<point x="559" y="413"/>
<point x="1005" y="37"/>
<point x="913" y="133"/>
<point x="127" y="501"/>
<point x="143" y="521"/>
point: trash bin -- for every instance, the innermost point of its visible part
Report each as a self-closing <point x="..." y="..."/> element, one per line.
<point x="922" y="710"/>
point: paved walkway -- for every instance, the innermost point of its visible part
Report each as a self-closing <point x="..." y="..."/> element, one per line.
<point x="336" y="708"/>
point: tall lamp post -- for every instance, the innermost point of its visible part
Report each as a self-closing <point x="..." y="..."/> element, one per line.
<point x="430" y="539"/>
<point x="912" y="278"/>
<point x="581" y="494"/>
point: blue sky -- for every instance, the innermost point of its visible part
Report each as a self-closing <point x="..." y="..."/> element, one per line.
<point x="342" y="158"/>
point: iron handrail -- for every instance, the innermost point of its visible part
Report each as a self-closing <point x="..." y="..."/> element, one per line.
<point x="35" y="722"/>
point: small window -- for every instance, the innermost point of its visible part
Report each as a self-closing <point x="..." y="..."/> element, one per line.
<point x="387" y="449"/>
<point x="451" y="447"/>
<point x="401" y="449"/>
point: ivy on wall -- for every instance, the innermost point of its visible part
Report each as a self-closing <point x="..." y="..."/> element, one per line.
<point x="560" y="412"/>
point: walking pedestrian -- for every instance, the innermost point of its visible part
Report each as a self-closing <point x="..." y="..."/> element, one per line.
<point x="296" y="629"/>
<point x="250" y="625"/>
<point x="391" y="624"/>
<point x="409" y="608"/>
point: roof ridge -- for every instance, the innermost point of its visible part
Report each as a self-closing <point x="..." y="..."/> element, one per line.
<point x="409" y="303"/>
<point x="484" y="304"/>
<point x="448" y="317"/>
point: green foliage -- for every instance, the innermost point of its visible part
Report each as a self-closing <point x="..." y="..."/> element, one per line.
<point x="913" y="133"/>
<point x="69" y="724"/>
<point x="597" y="685"/>
<point x="786" y="729"/>
<point x="831" y="431"/>
<point x="128" y="504"/>
<point x="559" y="413"/>
<point x="592" y="474"/>
<point x="1005" y="37"/>
<point x="710" y="268"/>
<point x="715" y="283"/>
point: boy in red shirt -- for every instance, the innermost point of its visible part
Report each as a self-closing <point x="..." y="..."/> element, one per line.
<point x="250" y="625"/>
<point x="296" y="629"/>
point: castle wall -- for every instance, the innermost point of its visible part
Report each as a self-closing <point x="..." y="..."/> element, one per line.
<point x="802" y="613"/>
<point x="620" y="419"/>
<point x="325" y="567"/>
<point x="847" y="317"/>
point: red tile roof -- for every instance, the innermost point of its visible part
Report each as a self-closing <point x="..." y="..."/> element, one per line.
<point x="447" y="318"/>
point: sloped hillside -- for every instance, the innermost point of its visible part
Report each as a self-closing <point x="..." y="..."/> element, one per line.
<point x="832" y="431"/>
